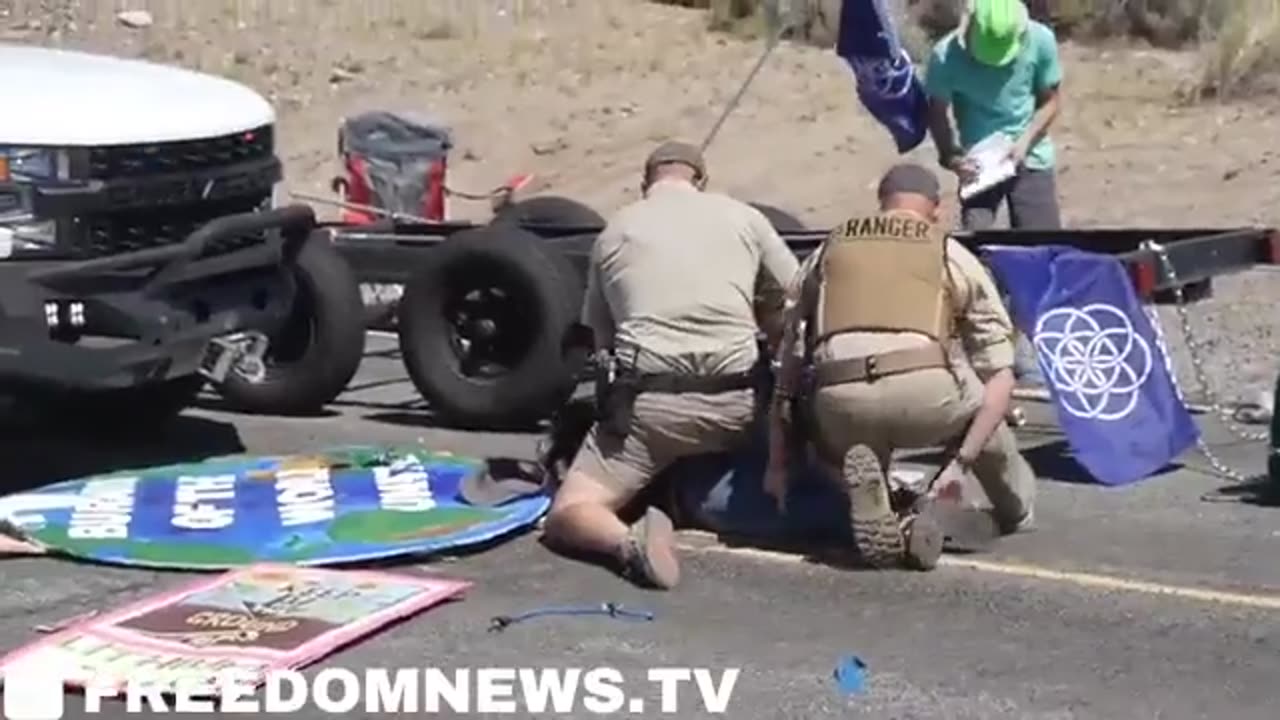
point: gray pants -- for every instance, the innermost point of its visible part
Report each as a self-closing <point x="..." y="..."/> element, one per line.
<point x="1032" y="200"/>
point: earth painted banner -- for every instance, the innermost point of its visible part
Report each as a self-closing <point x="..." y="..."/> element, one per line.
<point x="341" y="506"/>
<point x="253" y="621"/>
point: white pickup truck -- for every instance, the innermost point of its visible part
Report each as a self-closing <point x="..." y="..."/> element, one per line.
<point x="141" y="254"/>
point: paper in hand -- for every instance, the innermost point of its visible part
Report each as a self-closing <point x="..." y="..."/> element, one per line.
<point x="991" y="158"/>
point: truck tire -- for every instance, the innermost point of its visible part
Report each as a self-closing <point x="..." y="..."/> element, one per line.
<point x="485" y="326"/>
<point x="781" y="220"/>
<point x="550" y="210"/>
<point x="313" y="358"/>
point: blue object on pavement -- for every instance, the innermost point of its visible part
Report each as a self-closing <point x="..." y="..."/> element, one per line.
<point x="851" y="675"/>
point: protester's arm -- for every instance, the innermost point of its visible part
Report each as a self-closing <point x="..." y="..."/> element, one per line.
<point x="1046" y="84"/>
<point x="986" y="332"/>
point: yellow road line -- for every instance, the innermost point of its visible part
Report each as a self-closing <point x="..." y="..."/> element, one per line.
<point x="1037" y="572"/>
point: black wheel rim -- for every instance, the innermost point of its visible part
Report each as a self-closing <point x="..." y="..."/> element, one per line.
<point x="492" y="318"/>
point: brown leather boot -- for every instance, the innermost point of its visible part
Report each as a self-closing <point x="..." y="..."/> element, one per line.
<point x="649" y="552"/>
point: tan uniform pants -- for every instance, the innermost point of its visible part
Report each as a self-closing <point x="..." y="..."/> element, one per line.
<point x="917" y="410"/>
<point x="664" y="428"/>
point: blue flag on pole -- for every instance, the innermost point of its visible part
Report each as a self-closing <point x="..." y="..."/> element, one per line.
<point x="888" y="85"/>
<point x="1101" y="358"/>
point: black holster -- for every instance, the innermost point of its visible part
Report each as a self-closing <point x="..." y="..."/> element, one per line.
<point x="617" y="387"/>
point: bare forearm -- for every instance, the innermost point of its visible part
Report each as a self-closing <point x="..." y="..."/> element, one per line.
<point x="1041" y="121"/>
<point x="944" y="135"/>
<point x="996" y="395"/>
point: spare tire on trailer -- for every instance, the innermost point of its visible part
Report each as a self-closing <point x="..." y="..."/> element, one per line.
<point x="781" y="220"/>
<point x="312" y="359"/>
<point x="550" y="210"/>
<point x="485" y="328"/>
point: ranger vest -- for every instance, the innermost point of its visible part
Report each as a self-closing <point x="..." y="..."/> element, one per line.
<point x="884" y="273"/>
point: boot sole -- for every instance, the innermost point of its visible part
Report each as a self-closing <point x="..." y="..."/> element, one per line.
<point x="657" y="541"/>
<point x="876" y="534"/>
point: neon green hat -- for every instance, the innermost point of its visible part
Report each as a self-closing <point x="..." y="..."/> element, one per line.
<point x="993" y="30"/>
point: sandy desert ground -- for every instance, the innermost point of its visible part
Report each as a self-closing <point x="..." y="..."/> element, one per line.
<point x="577" y="91"/>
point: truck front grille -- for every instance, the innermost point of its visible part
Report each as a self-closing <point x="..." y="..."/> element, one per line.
<point x="122" y="232"/>
<point x="114" y="162"/>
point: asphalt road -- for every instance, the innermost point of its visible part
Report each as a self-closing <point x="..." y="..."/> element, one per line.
<point x="1144" y="602"/>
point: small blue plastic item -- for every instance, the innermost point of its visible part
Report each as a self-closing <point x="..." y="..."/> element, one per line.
<point x="851" y="675"/>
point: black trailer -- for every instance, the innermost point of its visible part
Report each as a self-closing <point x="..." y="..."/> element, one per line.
<point x="488" y="318"/>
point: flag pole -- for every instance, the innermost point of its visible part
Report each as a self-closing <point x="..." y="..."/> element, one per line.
<point x="775" y="39"/>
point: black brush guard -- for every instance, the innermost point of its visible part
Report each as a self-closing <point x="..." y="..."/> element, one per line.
<point x="149" y="315"/>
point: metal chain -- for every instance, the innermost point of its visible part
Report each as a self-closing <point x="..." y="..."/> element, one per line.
<point x="1212" y="399"/>
<point x="1198" y="370"/>
<point x="1217" y="463"/>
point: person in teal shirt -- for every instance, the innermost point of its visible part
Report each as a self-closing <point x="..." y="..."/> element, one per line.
<point x="999" y="72"/>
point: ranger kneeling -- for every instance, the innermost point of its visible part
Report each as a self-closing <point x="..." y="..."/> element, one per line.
<point x="671" y="291"/>
<point x="880" y="304"/>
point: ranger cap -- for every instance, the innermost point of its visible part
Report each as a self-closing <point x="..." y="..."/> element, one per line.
<point x="676" y="152"/>
<point x="912" y="179"/>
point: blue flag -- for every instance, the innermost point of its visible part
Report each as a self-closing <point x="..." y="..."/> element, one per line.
<point x="888" y="85"/>
<point x="1101" y="358"/>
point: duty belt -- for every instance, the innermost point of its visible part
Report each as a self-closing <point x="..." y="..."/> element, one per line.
<point x="675" y="383"/>
<point x="867" y="369"/>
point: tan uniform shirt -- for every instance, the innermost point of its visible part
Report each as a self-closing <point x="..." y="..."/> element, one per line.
<point x="983" y="326"/>
<point x="676" y="274"/>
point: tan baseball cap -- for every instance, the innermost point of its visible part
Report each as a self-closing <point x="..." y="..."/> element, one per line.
<point x="674" y="151"/>
<point x="912" y="179"/>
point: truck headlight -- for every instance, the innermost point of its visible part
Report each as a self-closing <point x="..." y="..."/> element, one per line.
<point x="20" y="164"/>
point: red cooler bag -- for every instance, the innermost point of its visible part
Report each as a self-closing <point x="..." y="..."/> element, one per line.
<point x="396" y="163"/>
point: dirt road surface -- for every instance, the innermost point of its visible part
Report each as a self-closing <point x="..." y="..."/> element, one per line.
<point x="1137" y="603"/>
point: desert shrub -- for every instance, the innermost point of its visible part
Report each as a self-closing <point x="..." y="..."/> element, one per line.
<point x="1239" y="40"/>
<point x="721" y="14"/>
<point x="1167" y="23"/>
<point x="1243" y="52"/>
